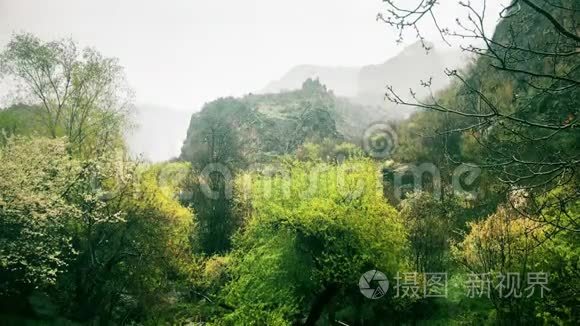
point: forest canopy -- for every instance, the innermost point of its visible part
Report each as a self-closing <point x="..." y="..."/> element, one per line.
<point x="296" y="208"/>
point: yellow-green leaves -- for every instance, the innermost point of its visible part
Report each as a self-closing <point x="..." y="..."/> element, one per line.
<point x="34" y="247"/>
<point x="311" y="225"/>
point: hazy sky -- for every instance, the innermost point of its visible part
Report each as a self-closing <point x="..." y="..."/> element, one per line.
<point x="180" y="53"/>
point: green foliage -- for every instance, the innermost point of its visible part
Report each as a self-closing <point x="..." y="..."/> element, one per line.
<point x="35" y="248"/>
<point x="328" y="150"/>
<point x="102" y="239"/>
<point x="430" y="224"/>
<point x="307" y="232"/>
<point x="561" y="257"/>
<point x="216" y="218"/>
<point x="20" y="120"/>
<point x="156" y="241"/>
<point x="146" y="247"/>
<point x="506" y="242"/>
<point x="89" y="235"/>
<point x="79" y="94"/>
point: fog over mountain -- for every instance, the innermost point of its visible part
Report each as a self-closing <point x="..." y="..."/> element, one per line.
<point x="180" y="54"/>
<point x="366" y="84"/>
<point x="406" y="71"/>
<point x="159" y="129"/>
<point x="342" y="80"/>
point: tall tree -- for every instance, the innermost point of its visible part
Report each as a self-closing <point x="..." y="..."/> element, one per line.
<point x="83" y="95"/>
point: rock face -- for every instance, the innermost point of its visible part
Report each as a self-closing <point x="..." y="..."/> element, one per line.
<point x="366" y="85"/>
<point x="258" y="127"/>
<point x="255" y="127"/>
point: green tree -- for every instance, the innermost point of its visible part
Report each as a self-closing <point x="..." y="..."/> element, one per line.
<point x="82" y="95"/>
<point x="35" y="247"/>
<point x="20" y="119"/>
<point x="215" y="153"/>
<point x="312" y="230"/>
<point x="506" y="242"/>
<point x="133" y="241"/>
<point x="98" y="239"/>
<point x="431" y="225"/>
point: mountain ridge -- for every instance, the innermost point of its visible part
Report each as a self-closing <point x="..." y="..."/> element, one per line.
<point x="366" y="84"/>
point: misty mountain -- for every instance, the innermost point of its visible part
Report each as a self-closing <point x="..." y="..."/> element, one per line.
<point x="342" y="80"/>
<point x="406" y="71"/>
<point x="158" y="132"/>
<point x="256" y="127"/>
<point x="366" y="85"/>
<point x="357" y="92"/>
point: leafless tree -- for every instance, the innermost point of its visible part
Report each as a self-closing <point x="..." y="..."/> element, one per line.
<point x="520" y="100"/>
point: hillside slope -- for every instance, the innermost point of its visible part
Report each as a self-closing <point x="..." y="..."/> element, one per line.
<point x="256" y="127"/>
